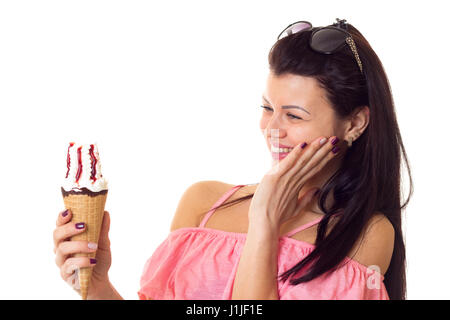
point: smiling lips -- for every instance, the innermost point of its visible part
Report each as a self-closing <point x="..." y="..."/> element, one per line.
<point x="279" y="152"/>
<point x="279" y="145"/>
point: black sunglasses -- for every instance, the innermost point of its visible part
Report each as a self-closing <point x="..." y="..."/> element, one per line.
<point x="326" y="40"/>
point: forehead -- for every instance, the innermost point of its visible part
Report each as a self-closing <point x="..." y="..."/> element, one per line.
<point x="291" y="89"/>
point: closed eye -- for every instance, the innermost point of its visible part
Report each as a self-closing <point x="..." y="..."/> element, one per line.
<point x="268" y="109"/>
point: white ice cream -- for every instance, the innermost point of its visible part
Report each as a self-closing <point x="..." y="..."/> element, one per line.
<point x="82" y="176"/>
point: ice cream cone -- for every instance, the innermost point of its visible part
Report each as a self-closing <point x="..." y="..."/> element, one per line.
<point x="87" y="208"/>
<point x="84" y="191"/>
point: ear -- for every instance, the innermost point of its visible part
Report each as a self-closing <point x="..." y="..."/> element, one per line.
<point x="357" y="123"/>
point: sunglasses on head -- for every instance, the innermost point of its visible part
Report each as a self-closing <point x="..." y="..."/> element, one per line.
<point x="326" y="40"/>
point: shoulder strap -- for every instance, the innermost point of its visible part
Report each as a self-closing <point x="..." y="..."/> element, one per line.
<point x="303" y="227"/>
<point x="221" y="200"/>
<point x="306" y="226"/>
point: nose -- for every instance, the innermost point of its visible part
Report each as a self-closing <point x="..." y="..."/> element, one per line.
<point x="273" y="129"/>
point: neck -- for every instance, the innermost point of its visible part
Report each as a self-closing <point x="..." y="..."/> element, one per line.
<point x="318" y="181"/>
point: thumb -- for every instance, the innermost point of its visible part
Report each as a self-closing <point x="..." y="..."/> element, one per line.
<point x="307" y="198"/>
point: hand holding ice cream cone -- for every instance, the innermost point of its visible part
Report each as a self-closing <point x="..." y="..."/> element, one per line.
<point x="84" y="192"/>
<point x="70" y="265"/>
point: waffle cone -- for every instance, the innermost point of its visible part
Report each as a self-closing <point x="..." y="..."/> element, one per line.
<point x="88" y="209"/>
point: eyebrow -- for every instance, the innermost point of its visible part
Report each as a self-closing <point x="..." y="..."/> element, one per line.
<point x="289" y="106"/>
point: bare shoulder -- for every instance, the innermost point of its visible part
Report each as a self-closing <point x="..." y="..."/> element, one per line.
<point x="195" y="202"/>
<point x="376" y="244"/>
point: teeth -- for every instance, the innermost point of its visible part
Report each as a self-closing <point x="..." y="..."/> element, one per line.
<point x="281" y="150"/>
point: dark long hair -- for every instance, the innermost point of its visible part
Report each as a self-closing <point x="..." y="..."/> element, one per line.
<point x="369" y="179"/>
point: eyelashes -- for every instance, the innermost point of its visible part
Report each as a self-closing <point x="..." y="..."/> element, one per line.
<point x="267" y="109"/>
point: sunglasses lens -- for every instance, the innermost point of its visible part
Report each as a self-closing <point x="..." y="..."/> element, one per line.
<point x="327" y="40"/>
<point x="297" y="27"/>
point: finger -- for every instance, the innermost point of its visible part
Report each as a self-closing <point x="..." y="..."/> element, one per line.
<point x="71" y="264"/>
<point x="63" y="217"/>
<point x="73" y="280"/>
<point x="66" y="231"/>
<point x="67" y="248"/>
<point x="307" y="166"/>
<point x="68" y="273"/>
<point x="314" y="150"/>
<point x="333" y="151"/>
<point x="283" y="166"/>
<point x="298" y="158"/>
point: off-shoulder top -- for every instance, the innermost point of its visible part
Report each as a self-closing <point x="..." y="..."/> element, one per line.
<point x="196" y="263"/>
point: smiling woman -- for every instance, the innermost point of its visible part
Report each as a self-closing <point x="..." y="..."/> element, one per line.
<point x="275" y="239"/>
<point x="325" y="221"/>
<point x="309" y="95"/>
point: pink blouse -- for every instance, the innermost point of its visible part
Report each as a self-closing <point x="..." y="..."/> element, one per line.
<point x="199" y="263"/>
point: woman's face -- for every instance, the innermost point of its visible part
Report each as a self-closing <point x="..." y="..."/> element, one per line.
<point x="295" y="110"/>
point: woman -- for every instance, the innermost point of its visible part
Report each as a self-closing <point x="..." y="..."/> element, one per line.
<point x="329" y="120"/>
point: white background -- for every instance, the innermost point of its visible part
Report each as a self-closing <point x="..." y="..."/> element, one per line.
<point x="170" y="91"/>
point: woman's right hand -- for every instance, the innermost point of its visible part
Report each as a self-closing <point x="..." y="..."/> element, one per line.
<point x="64" y="249"/>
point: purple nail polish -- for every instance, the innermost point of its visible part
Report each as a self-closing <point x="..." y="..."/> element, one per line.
<point x="79" y="225"/>
<point x="335" y="150"/>
<point x="334" y="141"/>
<point x="303" y="145"/>
<point x="65" y="213"/>
<point x="93" y="261"/>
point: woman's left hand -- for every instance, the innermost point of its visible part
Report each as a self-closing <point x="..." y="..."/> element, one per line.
<point x="276" y="197"/>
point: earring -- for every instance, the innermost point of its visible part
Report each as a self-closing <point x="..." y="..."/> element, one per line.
<point x="350" y="139"/>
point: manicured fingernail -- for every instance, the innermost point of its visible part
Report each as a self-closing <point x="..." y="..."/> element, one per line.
<point x="303" y="145"/>
<point x="335" y="150"/>
<point x="65" y="213"/>
<point x="323" y="140"/>
<point x="334" y="141"/>
<point x="92" y="245"/>
<point x="79" y="225"/>
<point x="92" y="261"/>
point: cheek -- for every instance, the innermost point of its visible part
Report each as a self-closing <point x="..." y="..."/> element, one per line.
<point x="263" y="123"/>
<point x="303" y="134"/>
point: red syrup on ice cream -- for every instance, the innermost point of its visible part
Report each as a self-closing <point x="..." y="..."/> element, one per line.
<point x="80" y="166"/>
<point x="93" y="162"/>
<point x="68" y="159"/>
<point x="93" y="159"/>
